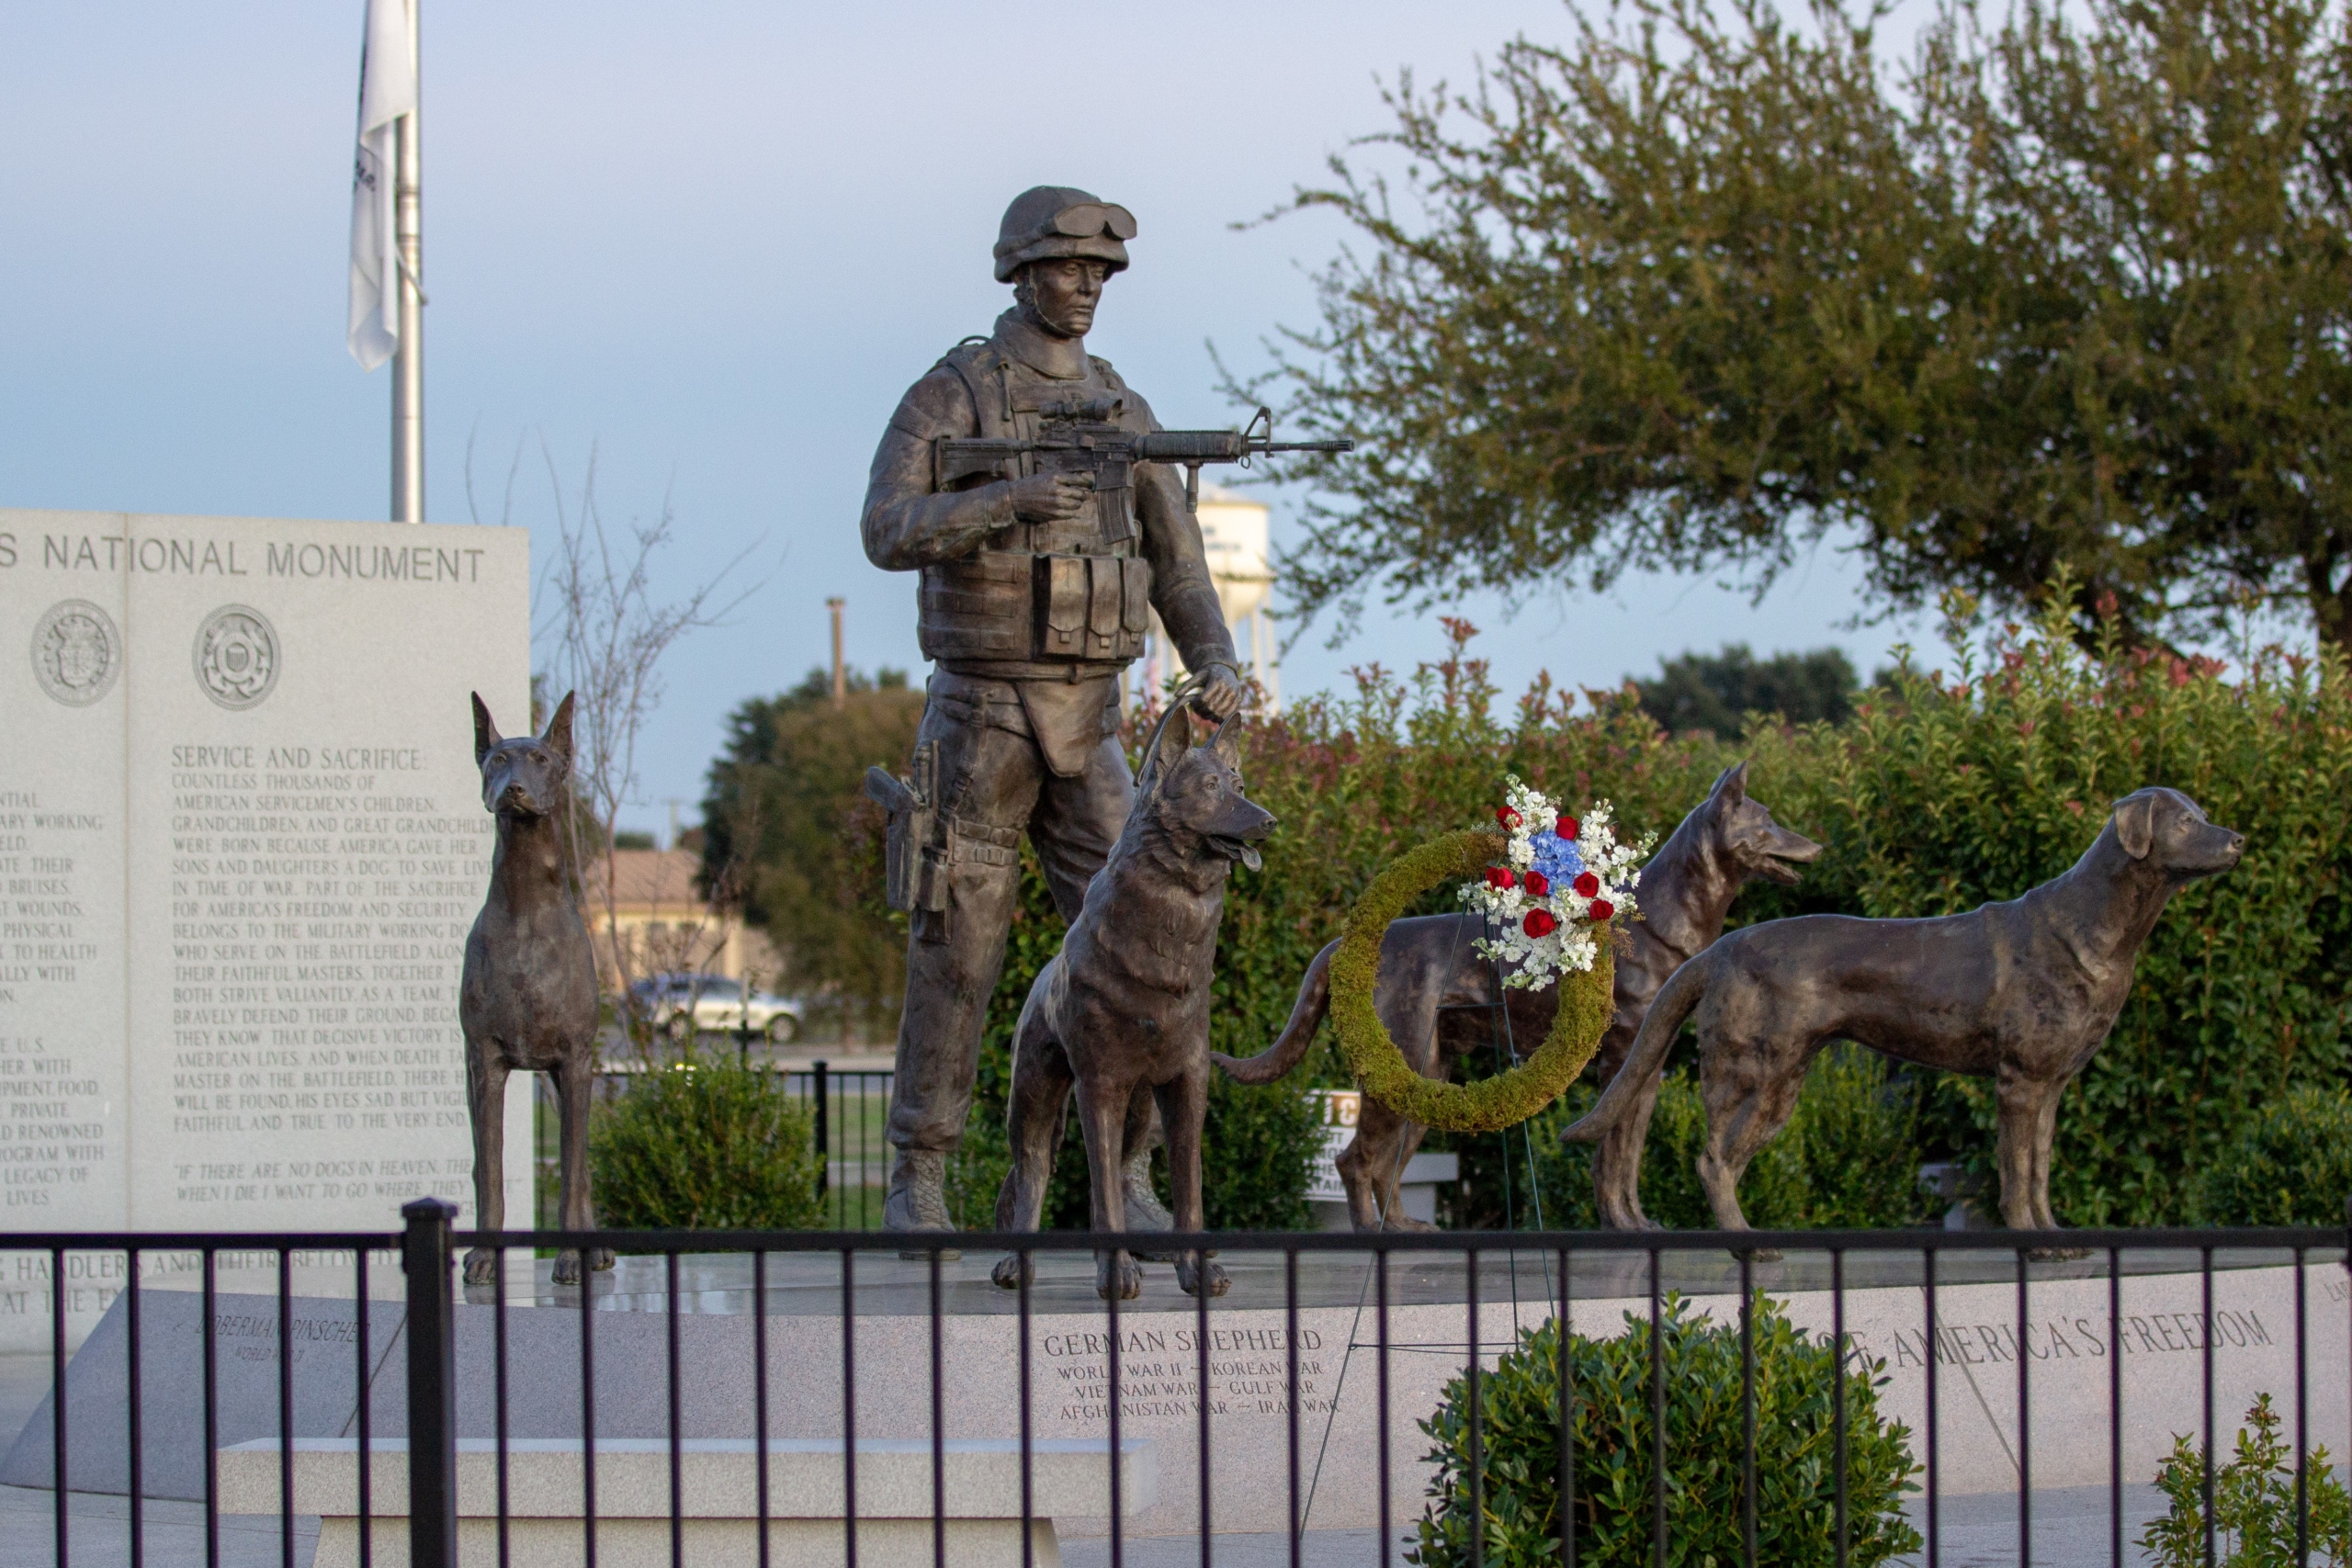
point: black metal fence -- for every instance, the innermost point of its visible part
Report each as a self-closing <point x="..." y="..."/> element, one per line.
<point x="778" y="1398"/>
<point x="849" y="1105"/>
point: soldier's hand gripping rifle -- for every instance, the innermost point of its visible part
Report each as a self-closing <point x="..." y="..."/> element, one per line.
<point x="1082" y="434"/>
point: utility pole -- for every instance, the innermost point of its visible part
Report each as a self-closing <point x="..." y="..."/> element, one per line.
<point x="840" y="673"/>
<point x="408" y="359"/>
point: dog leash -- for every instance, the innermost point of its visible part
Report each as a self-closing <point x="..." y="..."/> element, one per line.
<point x="1186" y="689"/>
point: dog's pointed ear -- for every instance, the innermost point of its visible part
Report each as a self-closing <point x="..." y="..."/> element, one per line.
<point x="1731" y="788"/>
<point x="485" y="732"/>
<point x="557" y="738"/>
<point x="1175" y="740"/>
<point x="2135" y="823"/>
<point x="1227" y="741"/>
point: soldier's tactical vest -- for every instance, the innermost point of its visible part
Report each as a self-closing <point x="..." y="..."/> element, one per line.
<point x="1064" y="593"/>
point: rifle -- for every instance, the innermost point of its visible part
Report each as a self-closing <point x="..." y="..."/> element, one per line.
<point x="1081" y="434"/>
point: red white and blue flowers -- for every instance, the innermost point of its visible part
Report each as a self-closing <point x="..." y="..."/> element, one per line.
<point x="1562" y="881"/>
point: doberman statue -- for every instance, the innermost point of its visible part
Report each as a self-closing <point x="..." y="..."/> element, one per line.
<point x="2022" y="992"/>
<point x="1437" y="998"/>
<point x="527" y="1000"/>
<point x="1122" y="1010"/>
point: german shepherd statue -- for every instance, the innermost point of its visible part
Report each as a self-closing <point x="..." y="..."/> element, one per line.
<point x="528" y="999"/>
<point x="1121" y="1011"/>
<point x="2022" y="992"/>
<point x="1437" y="996"/>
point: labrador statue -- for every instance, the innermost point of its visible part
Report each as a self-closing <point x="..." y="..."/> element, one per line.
<point x="2022" y="992"/>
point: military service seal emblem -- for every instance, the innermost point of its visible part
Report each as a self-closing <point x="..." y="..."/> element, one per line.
<point x="77" y="652"/>
<point x="236" y="656"/>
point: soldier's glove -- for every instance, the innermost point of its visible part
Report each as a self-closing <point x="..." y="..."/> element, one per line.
<point x="1052" y="497"/>
<point x="1220" y="694"/>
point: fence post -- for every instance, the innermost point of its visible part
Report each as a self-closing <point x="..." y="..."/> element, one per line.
<point x="824" y="1130"/>
<point x="425" y="1256"/>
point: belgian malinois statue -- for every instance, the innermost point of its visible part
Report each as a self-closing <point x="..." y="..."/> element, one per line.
<point x="527" y="1001"/>
<point x="2022" y="992"/>
<point x="1121" y="1011"/>
<point x="1437" y="996"/>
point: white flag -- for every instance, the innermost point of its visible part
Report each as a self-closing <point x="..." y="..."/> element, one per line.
<point x="387" y="91"/>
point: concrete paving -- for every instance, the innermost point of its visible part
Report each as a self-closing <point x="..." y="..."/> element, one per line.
<point x="2071" y="1530"/>
<point x="171" y="1534"/>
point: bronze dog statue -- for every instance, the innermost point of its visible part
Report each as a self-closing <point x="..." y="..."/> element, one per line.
<point x="527" y="1000"/>
<point x="1122" y="1010"/>
<point x="1437" y="996"/>
<point x="2023" y="992"/>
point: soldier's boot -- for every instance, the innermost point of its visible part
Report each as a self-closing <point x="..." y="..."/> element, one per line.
<point x="917" y="1199"/>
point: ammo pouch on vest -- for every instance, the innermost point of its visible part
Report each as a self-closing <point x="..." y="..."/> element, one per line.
<point x="1012" y="606"/>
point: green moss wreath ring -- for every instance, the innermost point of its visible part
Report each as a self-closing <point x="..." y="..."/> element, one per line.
<point x="1489" y="1104"/>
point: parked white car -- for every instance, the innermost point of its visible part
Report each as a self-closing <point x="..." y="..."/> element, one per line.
<point x="682" y="1005"/>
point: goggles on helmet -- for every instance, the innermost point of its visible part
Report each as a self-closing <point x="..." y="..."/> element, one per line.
<point x="1088" y="219"/>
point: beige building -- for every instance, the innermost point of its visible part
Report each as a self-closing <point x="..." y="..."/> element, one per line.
<point x="656" y="921"/>
<point x="1234" y="535"/>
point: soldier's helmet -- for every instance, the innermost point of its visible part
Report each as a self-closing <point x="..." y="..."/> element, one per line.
<point x="1060" y="220"/>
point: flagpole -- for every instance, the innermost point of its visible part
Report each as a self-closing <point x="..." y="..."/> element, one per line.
<point x="408" y="358"/>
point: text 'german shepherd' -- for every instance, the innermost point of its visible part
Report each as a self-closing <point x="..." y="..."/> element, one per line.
<point x="1121" y="1011"/>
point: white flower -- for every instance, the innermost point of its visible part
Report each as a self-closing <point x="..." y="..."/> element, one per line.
<point x="1570" y="945"/>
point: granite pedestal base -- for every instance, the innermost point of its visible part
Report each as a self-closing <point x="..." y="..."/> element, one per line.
<point x="808" y="1505"/>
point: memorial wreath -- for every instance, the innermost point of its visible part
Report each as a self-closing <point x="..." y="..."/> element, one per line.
<point x="1549" y="888"/>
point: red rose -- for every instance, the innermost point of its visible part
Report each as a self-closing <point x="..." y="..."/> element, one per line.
<point x="1568" y="827"/>
<point x="1501" y="877"/>
<point x="1538" y="885"/>
<point x="1539" y="922"/>
<point x="1588" y="885"/>
<point x="1507" y="816"/>
<point x="1601" y="911"/>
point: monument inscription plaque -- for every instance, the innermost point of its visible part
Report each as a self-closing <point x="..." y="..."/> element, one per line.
<point x="240" y="847"/>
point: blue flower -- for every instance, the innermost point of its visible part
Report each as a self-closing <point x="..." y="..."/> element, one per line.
<point x="1556" y="857"/>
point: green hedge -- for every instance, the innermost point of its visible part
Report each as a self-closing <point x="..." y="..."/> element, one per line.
<point x="2290" y="1165"/>
<point x="1948" y="786"/>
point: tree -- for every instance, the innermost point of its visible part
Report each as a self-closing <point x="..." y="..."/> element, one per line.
<point x="607" y="632"/>
<point x="1717" y="690"/>
<point x="1699" y="293"/>
<point x="783" y="799"/>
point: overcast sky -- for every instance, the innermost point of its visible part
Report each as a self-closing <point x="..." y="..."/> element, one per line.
<point x="714" y="242"/>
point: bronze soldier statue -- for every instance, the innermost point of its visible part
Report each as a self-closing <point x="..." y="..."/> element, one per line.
<point x="1037" y="574"/>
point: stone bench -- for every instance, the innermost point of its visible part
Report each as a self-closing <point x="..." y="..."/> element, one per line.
<point x="1068" y="1478"/>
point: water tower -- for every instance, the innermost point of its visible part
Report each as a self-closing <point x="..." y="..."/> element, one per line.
<point x="1233" y="531"/>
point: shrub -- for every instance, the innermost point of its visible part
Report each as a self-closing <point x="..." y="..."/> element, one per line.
<point x="2253" y="1504"/>
<point x="704" y="1144"/>
<point x="1795" y="1473"/>
<point x="2291" y="1164"/>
